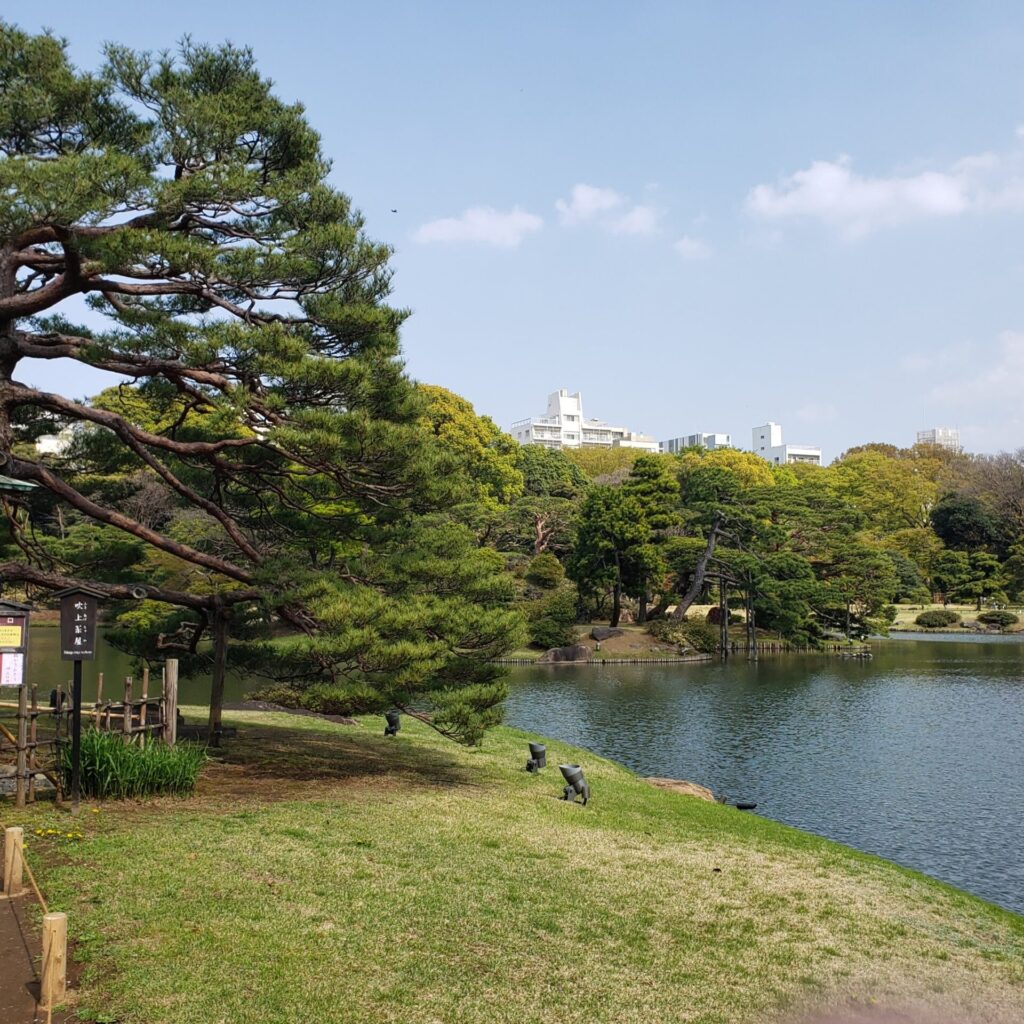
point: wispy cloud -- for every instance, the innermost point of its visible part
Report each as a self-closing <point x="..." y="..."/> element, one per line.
<point x="999" y="378"/>
<point x="586" y="202"/>
<point x="609" y="209"/>
<point x="640" y="220"/>
<point x="692" y="248"/>
<point x="484" y="225"/>
<point x="833" y="193"/>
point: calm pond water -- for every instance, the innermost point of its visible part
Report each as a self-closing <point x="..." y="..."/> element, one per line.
<point x="46" y="670"/>
<point x="916" y="755"/>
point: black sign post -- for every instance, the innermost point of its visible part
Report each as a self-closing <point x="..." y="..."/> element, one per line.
<point x="77" y="643"/>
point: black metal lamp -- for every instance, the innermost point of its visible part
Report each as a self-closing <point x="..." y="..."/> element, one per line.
<point x="394" y="720"/>
<point x="576" y="784"/>
<point x="538" y="758"/>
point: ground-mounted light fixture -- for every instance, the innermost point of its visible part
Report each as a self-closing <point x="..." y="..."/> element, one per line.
<point x="576" y="784"/>
<point x="394" y="720"/>
<point x="538" y="758"/>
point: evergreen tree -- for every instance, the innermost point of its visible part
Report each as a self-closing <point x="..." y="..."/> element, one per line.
<point x="236" y="292"/>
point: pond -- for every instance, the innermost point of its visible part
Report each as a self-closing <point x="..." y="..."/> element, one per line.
<point x="916" y="755"/>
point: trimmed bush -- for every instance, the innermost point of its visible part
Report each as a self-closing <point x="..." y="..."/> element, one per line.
<point x="545" y="571"/>
<point x="552" y="620"/>
<point x="937" y="617"/>
<point x="998" y="618"/>
<point x="113" y="769"/>
<point x="701" y="636"/>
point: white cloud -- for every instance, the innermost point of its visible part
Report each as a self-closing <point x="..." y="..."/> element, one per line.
<point x="692" y="248"/>
<point x="587" y="202"/>
<point x="640" y="220"/>
<point x="483" y="224"/>
<point x="974" y="385"/>
<point x="830" y="191"/>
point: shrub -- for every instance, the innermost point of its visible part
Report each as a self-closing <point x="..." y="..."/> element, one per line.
<point x="688" y="633"/>
<point x="545" y="571"/>
<point x="111" y="768"/>
<point x="937" y="617"/>
<point x="998" y="618"/>
<point x="552" y="619"/>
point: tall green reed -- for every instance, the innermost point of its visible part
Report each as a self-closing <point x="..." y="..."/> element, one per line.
<point x="113" y="769"/>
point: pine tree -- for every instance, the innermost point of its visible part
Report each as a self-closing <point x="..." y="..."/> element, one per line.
<point x="170" y="221"/>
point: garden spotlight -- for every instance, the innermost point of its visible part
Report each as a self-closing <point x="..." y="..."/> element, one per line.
<point x="538" y="758"/>
<point x="394" y="720"/>
<point x="576" y="783"/>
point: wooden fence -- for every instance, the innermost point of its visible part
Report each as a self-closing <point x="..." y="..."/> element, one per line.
<point x="40" y="732"/>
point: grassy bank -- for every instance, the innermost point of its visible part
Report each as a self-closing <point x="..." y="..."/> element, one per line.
<point x="325" y="873"/>
<point x="906" y="614"/>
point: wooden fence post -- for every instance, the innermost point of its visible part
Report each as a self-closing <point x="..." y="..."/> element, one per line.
<point x="32" y="737"/>
<point x="22" y="761"/>
<point x="55" y="960"/>
<point x="126" y="717"/>
<point x="142" y="707"/>
<point x="171" y="702"/>
<point x="14" y="859"/>
<point x="99" y="696"/>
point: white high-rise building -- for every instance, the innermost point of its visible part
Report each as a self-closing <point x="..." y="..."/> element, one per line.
<point x="941" y="437"/>
<point x="563" y="426"/>
<point x="709" y="441"/>
<point x="767" y="442"/>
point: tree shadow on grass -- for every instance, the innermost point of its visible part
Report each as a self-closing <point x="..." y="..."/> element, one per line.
<point x="280" y="763"/>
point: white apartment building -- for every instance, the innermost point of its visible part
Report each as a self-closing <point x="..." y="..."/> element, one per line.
<point x="563" y="426"/>
<point x="710" y="441"/>
<point x="55" y="444"/>
<point x="767" y="442"/>
<point x="941" y="437"/>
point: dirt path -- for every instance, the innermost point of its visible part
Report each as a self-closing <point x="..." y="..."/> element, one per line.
<point x="19" y="945"/>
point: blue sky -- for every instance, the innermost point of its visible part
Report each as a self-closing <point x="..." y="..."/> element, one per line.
<point x="701" y="215"/>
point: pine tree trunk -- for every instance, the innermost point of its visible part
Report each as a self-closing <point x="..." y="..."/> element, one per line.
<point x="220" y="666"/>
<point x="699" y="571"/>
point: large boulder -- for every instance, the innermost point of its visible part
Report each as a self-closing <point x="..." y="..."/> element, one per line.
<point x="605" y="632"/>
<point x="684" y="788"/>
<point x="574" y="652"/>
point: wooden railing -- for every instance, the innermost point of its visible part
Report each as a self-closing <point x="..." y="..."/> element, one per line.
<point x="39" y="732"/>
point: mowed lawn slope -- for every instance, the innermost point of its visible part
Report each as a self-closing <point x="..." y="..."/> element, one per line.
<point x="326" y="874"/>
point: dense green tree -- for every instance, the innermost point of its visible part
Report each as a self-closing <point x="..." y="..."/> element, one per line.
<point x="985" y="579"/>
<point x="951" y="573"/>
<point x="550" y="473"/>
<point x="236" y="293"/>
<point x="1013" y="569"/>
<point x="653" y="482"/>
<point x="612" y="529"/>
<point x="892" y="493"/>
<point x="489" y="457"/>
<point x="962" y="522"/>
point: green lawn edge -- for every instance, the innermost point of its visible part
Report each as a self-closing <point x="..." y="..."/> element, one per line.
<point x="384" y="874"/>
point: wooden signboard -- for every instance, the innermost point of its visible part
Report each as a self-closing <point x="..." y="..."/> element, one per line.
<point x="13" y="642"/>
<point x="12" y="668"/>
<point x="77" y="625"/>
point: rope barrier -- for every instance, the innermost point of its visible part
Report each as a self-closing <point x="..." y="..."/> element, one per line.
<point x="31" y="878"/>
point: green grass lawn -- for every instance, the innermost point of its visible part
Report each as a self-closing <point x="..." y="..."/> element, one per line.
<point x="325" y="874"/>
<point x="905" y="615"/>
